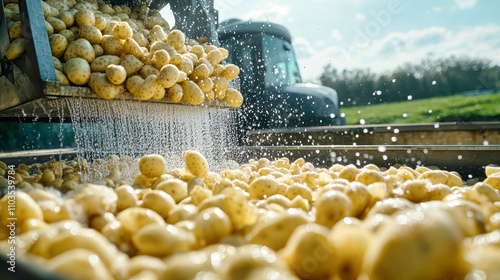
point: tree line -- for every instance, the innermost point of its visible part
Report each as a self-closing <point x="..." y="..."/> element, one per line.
<point x="427" y="78"/>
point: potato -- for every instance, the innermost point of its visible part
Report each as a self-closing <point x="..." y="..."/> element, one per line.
<point x="58" y="44"/>
<point x="420" y="245"/>
<point x="168" y="76"/>
<point x="176" y="39"/>
<point x="130" y="46"/>
<point x="198" y="51"/>
<point x="96" y="199"/>
<point x="230" y="71"/>
<point x="182" y="77"/>
<point x="84" y="17"/>
<point x="62" y="78"/>
<point x="26" y="208"/>
<point x="416" y="190"/>
<point x="56" y="24"/>
<point x="309" y="253"/>
<point x="233" y="97"/>
<point x="176" y="188"/>
<point x="131" y="64"/>
<point x="126" y="198"/>
<point x="80" y="263"/>
<point x="224" y="52"/>
<point x="111" y="45"/>
<point x="100" y="22"/>
<point x="158" y="201"/>
<point x="68" y="18"/>
<point x="160" y="58"/>
<point x="137" y="264"/>
<point x="182" y="212"/>
<point x="148" y="70"/>
<point x="211" y="225"/>
<point x="80" y="48"/>
<point x="140" y="39"/>
<point x="493" y="180"/>
<point x="69" y="35"/>
<point x="90" y="33"/>
<point x="220" y="83"/>
<point x="158" y="240"/>
<point x="349" y="172"/>
<point x="200" y="72"/>
<point x="152" y="165"/>
<point x="50" y="29"/>
<point x="15" y="30"/>
<point x="206" y="85"/>
<point x="368" y="177"/>
<point x="360" y="198"/>
<point x="102" y="62"/>
<point x="192" y="94"/>
<point x="175" y="92"/>
<point x="157" y="34"/>
<point x="135" y="218"/>
<point x="98" y="50"/>
<point x="490" y="169"/>
<point x="215" y="57"/>
<point x="15" y="49"/>
<point x="77" y="70"/>
<point x="103" y="88"/>
<point x="108" y="30"/>
<point x="196" y="163"/>
<point x="149" y="88"/>
<point x="116" y="74"/>
<point x="122" y="30"/>
<point x="331" y="207"/>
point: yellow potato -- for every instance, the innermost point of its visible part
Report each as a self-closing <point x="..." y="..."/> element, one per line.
<point x="168" y="76"/>
<point x="192" y="93"/>
<point x="80" y="48"/>
<point x="416" y="190"/>
<point x="77" y="70"/>
<point x="131" y="64"/>
<point x="96" y="199"/>
<point x="198" y="51"/>
<point x="148" y="70"/>
<point x="79" y="263"/>
<point x="196" y="163"/>
<point x="157" y="34"/>
<point x="176" y="39"/>
<point x="211" y="225"/>
<point x="176" y="188"/>
<point x="331" y="207"/>
<point x="160" y="58"/>
<point x="25" y="208"/>
<point x="68" y="18"/>
<point x="200" y="72"/>
<point x="490" y="169"/>
<point x="158" y="201"/>
<point x="15" y="30"/>
<point x="126" y="198"/>
<point x="233" y="97"/>
<point x="186" y="65"/>
<point x="309" y="253"/>
<point x="152" y="165"/>
<point x="175" y="92"/>
<point x="160" y="240"/>
<point x="135" y="218"/>
<point x="50" y="29"/>
<point x="15" y="49"/>
<point x="206" y="85"/>
<point x="368" y="177"/>
<point x="230" y="71"/>
<point x="122" y="30"/>
<point x="130" y="46"/>
<point x="349" y="172"/>
<point x="90" y="33"/>
<point x="62" y="78"/>
<point x="493" y="180"/>
<point x="98" y="50"/>
<point x="111" y="45"/>
<point x="264" y="186"/>
<point x="84" y="17"/>
<point x="116" y="74"/>
<point x="58" y="44"/>
<point x="102" y="62"/>
<point x="215" y="57"/>
<point x="140" y="39"/>
<point x="360" y="198"/>
<point x="138" y="264"/>
<point x="103" y="88"/>
<point x="56" y="24"/>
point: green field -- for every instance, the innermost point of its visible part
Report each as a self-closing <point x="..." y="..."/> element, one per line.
<point x="458" y="108"/>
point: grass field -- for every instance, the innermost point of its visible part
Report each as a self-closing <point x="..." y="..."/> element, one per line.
<point x="438" y="109"/>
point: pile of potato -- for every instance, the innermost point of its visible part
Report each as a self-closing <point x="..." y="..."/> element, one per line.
<point x="115" y="48"/>
<point x="263" y="220"/>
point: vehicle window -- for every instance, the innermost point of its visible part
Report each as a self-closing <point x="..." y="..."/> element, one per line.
<point x="280" y="62"/>
<point x="240" y="53"/>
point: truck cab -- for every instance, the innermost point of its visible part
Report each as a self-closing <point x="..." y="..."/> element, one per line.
<point x="270" y="80"/>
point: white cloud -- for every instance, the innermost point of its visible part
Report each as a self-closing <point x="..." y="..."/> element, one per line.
<point x="465" y="4"/>
<point x="360" y="16"/>
<point x="270" y="12"/>
<point x="397" y="48"/>
<point x="336" y="35"/>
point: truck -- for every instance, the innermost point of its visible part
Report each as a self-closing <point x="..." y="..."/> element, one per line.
<point x="270" y="80"/>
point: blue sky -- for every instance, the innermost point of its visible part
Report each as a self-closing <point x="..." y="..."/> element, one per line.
<point x="377" y="34"/>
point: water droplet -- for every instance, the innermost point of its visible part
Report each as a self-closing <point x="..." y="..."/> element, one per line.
<point x="486" y="143"/>
<point x="342" y="115"/>
<point x="434" y="82"/>
<point x="362" y="121"/>
<point x="317" y="151"/>
<point x="425" y="151"/>
<point x="459" y="157"/>
<point x="394" y="139"/>
<point x="436" y="125"/>
<point x="396" y="130"/>
<point x="405" y="115"/>
<point x="332" y="115"/>
<point x="388" y="128"/>
<point x="393" y="80"/>
<point x="382" y="149"/>
<point x="384" y="157"/>
<point x="430" y="111"/>
<point x="410" y="97"/>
